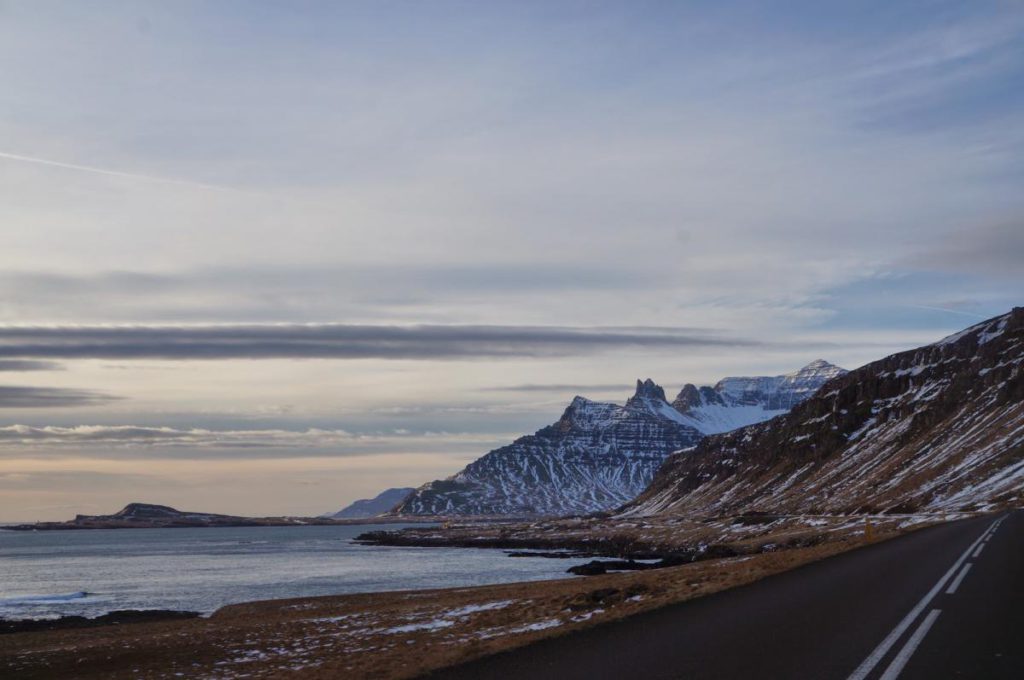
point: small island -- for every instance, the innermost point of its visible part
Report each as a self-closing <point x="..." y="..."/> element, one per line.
<point x="149" y="516"/>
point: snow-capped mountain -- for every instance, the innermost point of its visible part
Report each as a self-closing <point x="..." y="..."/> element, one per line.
<point x="597" y="456"/>
<point x="601" y="455"/>
<point x="738" y="402"/>
<point x="936" y="428"/>
<point x="371" y="507"/>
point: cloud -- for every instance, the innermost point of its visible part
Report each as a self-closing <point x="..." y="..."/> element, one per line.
<point x="29" y="365"/>
<point x="109" y="172"/>
<point x="341" y="341"/>
<point x="987" y="250"/>
<point x="140" y="435"/>
<point x="782" y="160"/>
<point x="130" y="441"/>
<point x="568" y="387"/>
<point x="49" y="397"/>
<point x="46" y="481"/>
<point x="949" y="310"/>
<point x="288" y="293"/>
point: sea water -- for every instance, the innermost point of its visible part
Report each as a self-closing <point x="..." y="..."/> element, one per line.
<point x="47" y="574"/>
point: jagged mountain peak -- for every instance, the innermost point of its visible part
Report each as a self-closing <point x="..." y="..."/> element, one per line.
<point x="583" y="406"/>
<point x="691" y="397"/>
<point x="817" y="366"/>
<point x="688" y="396"/>
<point x="648" y="389"/>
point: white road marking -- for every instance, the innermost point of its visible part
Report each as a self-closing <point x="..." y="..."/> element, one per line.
<point x="885" y="645"/>
<point x="893" y="671"/>
<point x="978" y="551"/>
<point x="959" y="577"/>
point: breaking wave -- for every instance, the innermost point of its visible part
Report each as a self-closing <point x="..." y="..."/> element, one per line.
<point x="55" y="598"/>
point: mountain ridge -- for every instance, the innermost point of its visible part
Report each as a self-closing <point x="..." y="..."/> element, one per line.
<point x="598" y="455"/>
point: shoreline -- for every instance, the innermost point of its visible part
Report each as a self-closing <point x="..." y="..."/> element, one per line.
<point x="395" y="634"/>
<point x="240" y="523"/>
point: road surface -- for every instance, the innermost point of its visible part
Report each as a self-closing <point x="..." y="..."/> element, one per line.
<point x="943" y="602"/>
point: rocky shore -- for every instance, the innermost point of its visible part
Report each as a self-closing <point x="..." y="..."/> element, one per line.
<point x="668" y="541"/>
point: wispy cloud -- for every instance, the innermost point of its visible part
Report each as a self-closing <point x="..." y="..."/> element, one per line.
<point x="287" y="293"/>
<point x="562" y="388"/>
<point x="12" y="396"/>
<point x="127" y="441"/>
<point x="340" y="341"/>
<point x="24" y="365"/>
<point x="949" y="311"/>
<point x="992" y="249"/>
<point x="140" y="435"/>
<point x="113" y="173"/>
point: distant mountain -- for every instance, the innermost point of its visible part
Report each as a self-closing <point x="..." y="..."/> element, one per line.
<point x="601" y="455"/>
<point x="371" y="507"/>
<point x="149" y="516"/>
<point x="597" y="456"/>
<point x="149" y="512"/>
<point x="936" y="428"/>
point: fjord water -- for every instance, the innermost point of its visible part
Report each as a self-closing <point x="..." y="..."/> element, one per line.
<point x="47" y="574"/>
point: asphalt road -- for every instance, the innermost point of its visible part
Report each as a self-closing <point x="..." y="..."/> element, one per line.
<point x="943" y="602"/>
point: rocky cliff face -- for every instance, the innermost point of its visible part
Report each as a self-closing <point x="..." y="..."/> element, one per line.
<point x="939" y="427"/>
<point x="600" y="455"/>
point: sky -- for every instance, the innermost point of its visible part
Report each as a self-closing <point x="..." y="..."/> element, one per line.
<point x="266" y="258"/>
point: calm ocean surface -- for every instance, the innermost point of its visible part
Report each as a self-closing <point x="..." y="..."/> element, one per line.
<point x="52" y="573"/>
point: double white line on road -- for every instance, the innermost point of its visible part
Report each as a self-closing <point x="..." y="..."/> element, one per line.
<point x="893" y="671"/>
<point x="959" y="577"/>
<point x="904" y="655"/>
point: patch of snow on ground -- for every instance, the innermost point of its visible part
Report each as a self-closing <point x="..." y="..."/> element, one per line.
<point x="991" y="335"/>
<point x="586" y="616"/>
<point x="473" y="608"/>
<point x="436" y="624"/>
<point x="868" y="424"/>
<point x="920" y="519"/>
<point x="334" y="619"/>
<point x="539" y="625"/>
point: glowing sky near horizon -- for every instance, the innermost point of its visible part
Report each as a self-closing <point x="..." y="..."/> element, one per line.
<point x="268" y="258"/>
